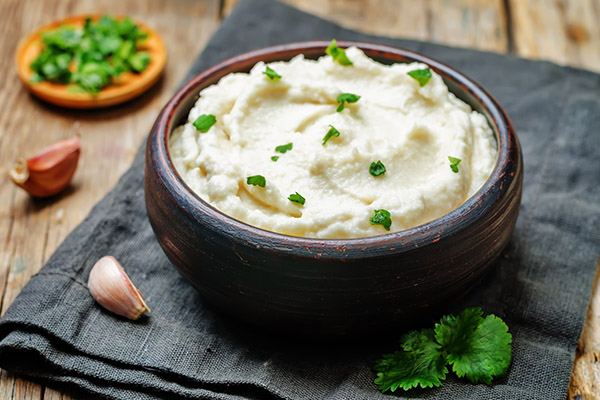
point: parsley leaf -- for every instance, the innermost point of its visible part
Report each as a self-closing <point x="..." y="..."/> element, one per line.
<point x="256" y="180"/>
<point x="346" y="98"/>
<point x="284" y="147"/>
<point x="90" y="56"/>
<point x="204" y="122"/>
<point x="271" y="74"/>
<point x="377" y="168"/>
<point x="454" y="163"/>
<point x="421" y="75"/>
<point x="297" y="198"/>
<point x="330" y="133"/>
<point x="139" y="61"/>
<point x="477" y="348"/>
<point x="420" y="363"/>
<point x="337" y="54"/>
<point x="274" y="158"/>
<point x="383" y="218"/>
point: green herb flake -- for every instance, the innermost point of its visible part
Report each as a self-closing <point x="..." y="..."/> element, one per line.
<point x="274" y="158"/>
<point x="346" y="98"/>
<point x="377" y="168"/>
<point x="421" y="75"/>
<point x="477" y="348"/>
<point x="383" y="218"/>
<point x="256" y="180"/>
<point x="338" y="55"/>
<point x="139" y="61"/>
<point x="454" y="163"/>
<point x="297" y="198"/>
<point x="271" y="74"/>
<point x="204" y="122"/>
<point x="330" y="133"/>
<point x="284" y="147"/>
<point x="92" y="55"/>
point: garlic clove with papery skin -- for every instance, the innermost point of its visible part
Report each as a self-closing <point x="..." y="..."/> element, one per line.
<point x="112" y="289"/>
<point x="48" y="172"/>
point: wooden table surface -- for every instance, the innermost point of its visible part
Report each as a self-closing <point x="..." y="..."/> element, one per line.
<point x="564" y="31"/>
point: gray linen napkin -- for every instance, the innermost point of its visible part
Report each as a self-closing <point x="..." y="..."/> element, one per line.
<point x="54" y="332"/>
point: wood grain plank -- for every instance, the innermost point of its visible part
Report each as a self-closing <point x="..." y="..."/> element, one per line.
<point x="585" y="377"/>
<point x="31" y="229"/>
<point x="566" y="32"/>
<point x="467" y="23"/>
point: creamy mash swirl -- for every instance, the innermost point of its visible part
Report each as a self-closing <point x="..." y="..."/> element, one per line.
<point x="411" y="129"/>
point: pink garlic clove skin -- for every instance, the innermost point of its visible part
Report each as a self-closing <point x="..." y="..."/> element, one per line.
<point x="112" y="289"/>
<point x="50" y="171"/>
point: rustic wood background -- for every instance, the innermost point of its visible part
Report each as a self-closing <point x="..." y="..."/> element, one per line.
<point x="564" y="31"/>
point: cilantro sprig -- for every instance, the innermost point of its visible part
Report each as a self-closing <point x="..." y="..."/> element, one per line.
<point x="256" y="180"/>
<point x="90" y="56"/>
<point x="204" y="122"/>
<point x="284" y="148"/>
<point x="332" y="132"/>
<point x="420" y="75"/>
<point x="383" y="218"/>
<point x="476" y="348"/>
<point x="454" y="163"/>
<point x="271" y="74"/>
<point x="297" y="198"/>
<point x="377" y="168"/>
<point x="346" y="98"/>
<point x="338" y="55"/>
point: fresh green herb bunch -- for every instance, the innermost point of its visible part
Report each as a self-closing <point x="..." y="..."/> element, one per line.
<point x="477" y="348"/>
<point x="92" y="55"/>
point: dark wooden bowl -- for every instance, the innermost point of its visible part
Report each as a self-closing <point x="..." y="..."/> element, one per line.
<point x="330" y="286"/>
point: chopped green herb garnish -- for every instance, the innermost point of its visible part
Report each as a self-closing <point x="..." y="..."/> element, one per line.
<point x="274" y="158"/>
<point x="383" y="218"/>
<point x="337" y="54"/>
<point x="284" y="147"/>
<point x="297" y="198"/>
<point x="330" y="133"/>
<point x="421" y="75"/>
<point x="454" y="163"/>
<point x="271" y="74"/>
<point x="346" y="98"/>
<point x="377" y="168"/>
<point x="256" y="180"/>
<point x="204" y="122"/>
<point x="90" y="56"/>
<point x="478" y="348"/>
<point x="139" y="61"/>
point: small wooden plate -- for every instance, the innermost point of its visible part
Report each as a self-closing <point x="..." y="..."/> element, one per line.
<point x="126" y="87"/>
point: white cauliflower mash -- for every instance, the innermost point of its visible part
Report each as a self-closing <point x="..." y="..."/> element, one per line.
<point x="410" y="129"/>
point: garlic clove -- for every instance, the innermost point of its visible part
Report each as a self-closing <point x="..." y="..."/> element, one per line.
<point x="48" y="172"/>
<point x="112" y="289"/>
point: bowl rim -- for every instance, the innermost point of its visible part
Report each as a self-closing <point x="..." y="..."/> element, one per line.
<point x="502" y="177"/>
